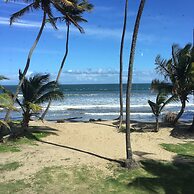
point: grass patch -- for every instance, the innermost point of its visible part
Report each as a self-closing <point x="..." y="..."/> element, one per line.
<point x="185" y="150"/>
<point x="9" y="147"/>
<point x="14" y="187"/>
<point x="14" y="145"/>
<point x="40" y="135"/>
<point x="152" y="177"/>
<point x="9" y="166"/>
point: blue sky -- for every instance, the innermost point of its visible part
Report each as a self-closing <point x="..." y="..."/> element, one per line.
<point x="94" y="56"/>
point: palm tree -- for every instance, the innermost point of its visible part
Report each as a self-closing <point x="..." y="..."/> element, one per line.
<point x="163" y="90"/>
<point x="178" y="70"/>
<point x="47" y="12"/>
<point x="121" y="64"/>
<point x="36" y="90"/>
<point x="76" y="15"/>
<point x="129" y="160"/>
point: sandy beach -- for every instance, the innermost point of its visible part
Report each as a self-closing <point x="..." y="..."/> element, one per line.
<point x="82" y="143"/>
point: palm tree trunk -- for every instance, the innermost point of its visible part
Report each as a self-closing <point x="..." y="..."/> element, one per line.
<point x="129" y="160"/>
<point x="183" y="102"/>
<point x="60" y="70"/>
<point x="26" y="119"/>
<point x="27" y="64"/>
<point x="121" y="64"/>
<point x="157" y="124"/>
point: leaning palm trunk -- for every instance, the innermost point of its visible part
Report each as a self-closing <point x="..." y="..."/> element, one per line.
<point x="183" y="105"/>
<point x="60" y="70"/>
<point x="27" y="64"/>
<point x="121" y="65"/>
<point x="129" y="160"/>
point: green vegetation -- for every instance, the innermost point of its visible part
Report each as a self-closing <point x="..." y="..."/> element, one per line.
<point x="14" y="187"/>
<point x="163" y="90"/>
<point x="36" y="90"/>
<point x="5" y="102"/>
<point x="14" y="145"/>
<point x="9" y="166"/>
<point x="153" y="177"/>
<point x="179" y="72"/>
<point x="9" y="147"/>
<point x="185" y="150"/>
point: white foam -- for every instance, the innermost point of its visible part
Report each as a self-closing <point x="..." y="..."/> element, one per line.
<point x="112" y="113"/>
<point x="58" y="107"/>
<point x="68" y="107"/>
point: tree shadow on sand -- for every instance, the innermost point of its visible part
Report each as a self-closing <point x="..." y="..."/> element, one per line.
<point x="169" y="178"/>
<point x="120" y="162"/>
<point x="32" y="132"/>
<point x="181" y="131"/>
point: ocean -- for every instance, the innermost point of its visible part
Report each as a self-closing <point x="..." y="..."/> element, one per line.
<point x="101" y="101"/>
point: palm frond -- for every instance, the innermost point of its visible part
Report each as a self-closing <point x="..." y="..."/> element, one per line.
<point x="161" y="98"/>
<point x="154" y="107"/>
<point x="52" y="95"/>
<point x="38" y="79"/>
<point x="22" y="12"/>
<point x="47" y="87"/>
<point x="161" y="86"/>
<point x="4" y="123"/>
<point x="3" y="77"/>
<point x="69" y="18"/>
<point x="162" y="66"/>
<point x="6" y="102"/>
<point x="34" y="107"/>
<point x="68" y="3"/>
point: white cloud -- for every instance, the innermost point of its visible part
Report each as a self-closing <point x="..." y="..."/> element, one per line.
<point x="93" y="31"/>
<point x="91" y="76"/>
<point x="22" y="23"/>
<point x="104" y="76"/>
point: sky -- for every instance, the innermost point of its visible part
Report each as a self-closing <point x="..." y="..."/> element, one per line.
<point x="94" y="56"/>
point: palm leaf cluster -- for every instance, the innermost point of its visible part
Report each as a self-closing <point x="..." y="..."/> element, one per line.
<point x="5" y="101"/>
<point x="38" y="89"/>
<point x="45" y="5"/>
<point x="68" y="9"/>
<point x="5" y="97"/>
<point x="74" y="14"/>
<point x="179" y="70"/>
<point x="163" y="90"/>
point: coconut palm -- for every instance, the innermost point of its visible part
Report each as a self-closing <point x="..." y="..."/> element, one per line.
<point x="121" y="64"/>
<point x="37" y="90"/>
<point x="129" y="160"/>
<point x="163" y="90"/>
<point x="179" y="71"/>
<point x="76" y="15"/>
<point x="45" y="6"/>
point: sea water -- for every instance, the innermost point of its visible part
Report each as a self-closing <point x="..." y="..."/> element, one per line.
<point x="101" y="101"/>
